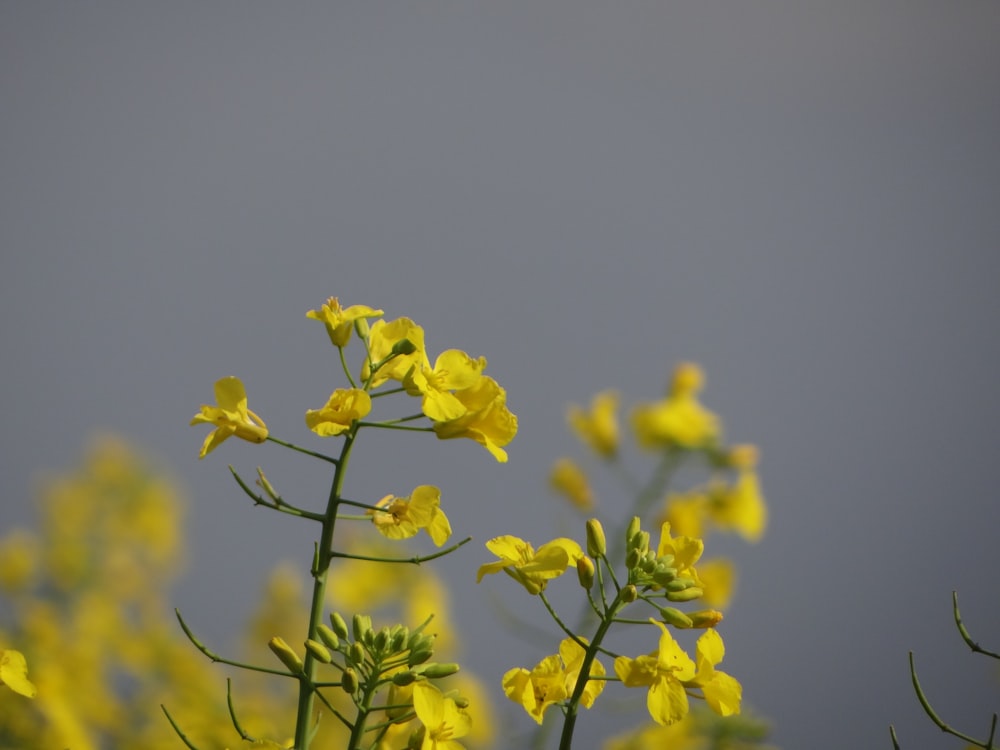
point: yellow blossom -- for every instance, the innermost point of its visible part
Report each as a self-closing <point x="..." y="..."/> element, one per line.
<point x="686" y="551"/>
<point x="598" y="427"/>
<point x="687" y="513"/>
<point x="344" y="407"/>
<point x="718" y="580"/>
<point x="403" y="517"/>
<point x="381" y="340"/>
<point x="443" y="720"/>
<point x="339" y="321"/>
<point x="664" y="672"/>
<point x="487" y="420"/>
<point x="453" y="370"/>
<point x="740" y="506"/>
<point x="679" y="419"/>
<point x="722" y="692"/>
<point x="568" y="479"/>
<point x="14" y="673"/>
<point x="230" y="417"/>
<point x="553" y="681"/>
<point x="531" y="569"/>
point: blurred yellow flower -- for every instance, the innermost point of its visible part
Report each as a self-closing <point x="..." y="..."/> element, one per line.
<point x="403" y="517"/>
<point x="230" y="417"/>
<point x="740" y="506"/>
<point x="568" y="479"/>
<point x="531" y="569"/>
<point x="14" y="673"/>
<point x="718" y="580"/>
<point x="339" y="321"/>
<point x="663" y="672"/>
<point x="598" y="427"/>
<point x="453" y="370"/>
<point x="487" y="420"/>
<point x="443" y="720"/>
<point x="679" y="419"/>
<point x="344" y="406"/>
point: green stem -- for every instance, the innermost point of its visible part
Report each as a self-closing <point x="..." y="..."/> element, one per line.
<point x="572" y="710"/>
<point x="324" y="556"/>
<point x="308" y="452"/>
<point x="364" y="707"/>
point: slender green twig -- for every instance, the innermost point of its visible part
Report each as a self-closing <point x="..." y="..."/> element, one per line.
<point x="232" y="713"/>
<point x="892" y="735"/>
<point x="932" y="714"/>
<point x="347" y="369"/>
<point x="221" y="660"/>
<point x="965" y="633"/>
<point x="417" y="560"/>
<point x="300" y="449"/>
<point x="388" y="392"/>
<point x="395" y="425"/>
<point x="279" y="505"/>
<point x="177" y="729"/>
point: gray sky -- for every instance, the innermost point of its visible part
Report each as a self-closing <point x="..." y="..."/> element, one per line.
<point x="802" y="197"/>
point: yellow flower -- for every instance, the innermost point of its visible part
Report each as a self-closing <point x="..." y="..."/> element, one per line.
<point x="597" y="428"/>
<point x="741" y="506"/>
<point x="718" y="580"/>
<point x="722" y="692"/>
<point x="679" y="419"/>
<point x="568" y="479"/>
<point x="553" y="680"/>
<point x="664" y="672"/>
<point x="443" y="720"/>
<point x="403" y="517"/>
<point x="339" y="321"/>
<point x="686" y="513"/>
<point x="686" y="551"/>
<point x="453" y="370"/>
<point x="344" y="407"/>
<point x="230" y="417"/>
<point x="14" y="673"/>
<point x="531" y="569"/>
<point x="381" y="340"/>
<point x="487" y="420"/>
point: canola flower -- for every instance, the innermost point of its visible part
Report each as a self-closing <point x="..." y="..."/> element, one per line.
<point x="531" y="569"/>
<point x="14" y="673"/>
<point x="597" y="427"/>
<point x="553" y="680"/>
<point x="340" y="321"/>
<point x="403" y="517"/>
<point x="230" y="417"/>
<point x="679" y="419"/>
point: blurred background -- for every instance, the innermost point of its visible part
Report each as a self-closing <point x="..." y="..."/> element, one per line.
<point x="802" y="197"/>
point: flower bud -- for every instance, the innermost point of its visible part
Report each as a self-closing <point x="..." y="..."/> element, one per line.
<point x="585" y="572"/>
<point x="356" y="653"/>
<point x="705" y="618"/>
<point x="680" y="584"/>
<point x="284" y="652"/>
<point x="597" y="544"/>
<point x="400" y="634"/>
<point x="362" y="627"/>
<point x="266" y="485"/>
<point x="381" y="640"/>
<point x="436" y="670"/>
<point x="663" y="574"/>
<point x="629" y="594"/>
<point x="404" y="347"/>
<point x="349" y="681"/>
<point x="632" y="530"/>
<point x="632" y="559"/>
<point x="361" y="326"/>
<point x="339" y="626"/>
<point x="318" y="650"/>
<point x="673" y="616"/>
<point x="402" y="679"/>
<point x="328" y="637"/>
<point x="687" y="595"/>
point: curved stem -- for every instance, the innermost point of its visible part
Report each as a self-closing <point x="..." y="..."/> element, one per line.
<point x="314" y="454"/>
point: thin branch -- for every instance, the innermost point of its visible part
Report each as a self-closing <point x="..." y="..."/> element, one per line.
<point x="314" y="454"/>
<point x="417" y="560"/>
<point x="279" y="505"/>
<point x="177" y="729"/>
<point x="216" y="658"/>
<point x="965" y="633"/>
<point x="930" y="711"/>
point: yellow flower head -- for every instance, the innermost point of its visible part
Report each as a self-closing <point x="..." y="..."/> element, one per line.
<point x="344" y="406"/>
<point x="664" y="672"/>
<point x="403" y="517"/>
<point x="740" y="506"/>
<point x="597" y="428"/>
<point x="339" y="321"/>
<point x="553" y="680"/>
<point x="14" y="673"/>
<point x="679" y="419"/>
<point x="486" y="419"/>
<point x="686" y="551"/>
<point x="453" y="370"/>
<point x="531" y="569"/>
<point x="230" y="417"/>
<point x="443" y="720"/>
<point x="568" y="479"/>
<point x="381" y="340"/>
<point x="722" y="692"/>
